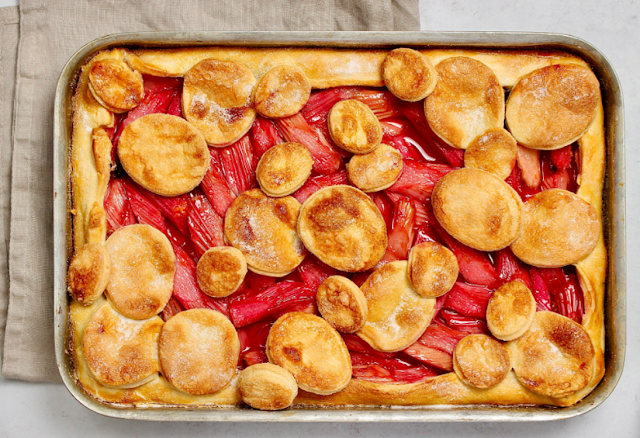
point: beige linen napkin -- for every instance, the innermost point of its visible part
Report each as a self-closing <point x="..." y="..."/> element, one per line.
<point x="50" y="32"/>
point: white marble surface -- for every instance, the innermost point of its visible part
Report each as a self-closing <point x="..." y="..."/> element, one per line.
<point x="28" y="409"/>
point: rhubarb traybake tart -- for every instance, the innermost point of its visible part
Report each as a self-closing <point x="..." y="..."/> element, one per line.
<point x="336" y="227"/>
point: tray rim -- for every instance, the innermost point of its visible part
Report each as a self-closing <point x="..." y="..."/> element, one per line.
<point x="614" y="218"/>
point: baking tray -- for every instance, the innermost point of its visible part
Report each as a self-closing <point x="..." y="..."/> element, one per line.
<point x="614" y="221"/>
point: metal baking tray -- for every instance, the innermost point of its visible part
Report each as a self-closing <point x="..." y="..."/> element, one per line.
<point x="614" y="212"/>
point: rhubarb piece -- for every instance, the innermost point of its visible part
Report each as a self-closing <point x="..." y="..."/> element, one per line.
<point x="145" y="211"/>
<point x="510" y="268"/>
<point x="117" y="207"/>
<point x="360" y="277"/>
<point x="355" y="344"/>
<point x="402" y="232"/>
<point x="540" y="291"/>
<point x="318" y="182"/>
<point x="406" y="147"/>
<point x="387" y="363"/>
<point x="463" y="323"/>
<point x="175" y="107"/>
<point x="205" y="226"/>
<point x="313" y="272"/>
<point x="254" y="357"/>
<point x="393" y="127"/>
<point x="426" y="233"/>
<point x="371" y="372"/>
<point x="418" y="179"/>
<point x="264" y="136"/>
<point x="413" y="374"/>
<point x="431" y="356"/>
<point x="383" y="104"/>
<point x="561" y="158"/>
<point x="295" y="128"/>
<point x="441" y="338"/>
<point x="421" y="212"/>
<point x="173" y="208"/>
<point x="254" y="336"/>
<point x="238" y="164"/>
<point x="155" y="84"/>
<point x="385" y="205"/>
<point x="172" y="308"/>
<point x="468" y="300"/>
<point x="178" y="239"/>
<point x="215" y="185"/>
<point x="529" y="163"/>
<point x="516" y="182"/>
<point x="565" y="292"/>
<point x="307" y="305"/>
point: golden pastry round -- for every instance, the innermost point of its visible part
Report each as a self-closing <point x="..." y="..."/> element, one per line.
<point x="284" y="168"/>
<point x="408" y="75"/>
<point x="281" y="92"/>
<point x="342" y="304"/>
<point x="121" y="352"/>
<point x="553" y="106"/>
<point x="89" y="272"/>
<point x="165" y="154"/>
<point x="397" y="314"/>
<point x="559" y="229"/>
<point x="555" y="357"/>
<point x="481" y="361"/>
<point x="510" y="311"/>
<point x="433" y="269"/>
<point x="376" y="170"/>
<point x="115" y="85"/>
<point x="478" y="208"/>
<point x="354" y="127"/>
<point x="267" y="387"/>
<point x="467" y="101"/>
<point x="343" y="227"/>
<point x="221" y="271"/>
<point x="495" y="152"/>
<point x="217" y="98"/>
<point x="264" y="230"/>
<point x="142" y="268"/>
<point x="310" y="349"/>
<point x="199" y="351"/>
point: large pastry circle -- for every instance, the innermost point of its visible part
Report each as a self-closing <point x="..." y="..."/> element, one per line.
<point x="553" y="106"/>
<point x="120" y="351"/>
<point x="142" y="268"/>
<point x="343" y="228"/>
<point x="478" y="209"/>
<point x="216" y="98"/>
<point x="165" y="154"/>
<point x="310" y="349"/>
<point x="397" y="314"/>
<point x="468" y="100"/>
<point x="199" y="351"/>
<point x="264" y="230"/>
<point x="554" y="357"/>
<point x="559" y="229"/>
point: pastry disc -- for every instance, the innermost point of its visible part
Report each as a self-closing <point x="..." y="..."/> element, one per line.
<point x="433" y="269"/>
<point x="164" y="154"/>
<point x="115" y="85"/>
<point x="216" y="98"/>
<point x="142" y="268"/>
<point x="267" y="387"/>
<point x="495" y="152"/>
<point x="481" y="361"/>
<point x="408" y="75"/>
<point x="310" y="349"/>
<point x="477" y="208"/>
<point x="376" y="170"/>
<point x="284" y="168"/>
<point x="554" y="357"/>
<point x="468" y="100"/>
<point x="354" y="127"/>
<point x="397" y="314"/>
<point x="119" y="351"/>
<point x="553" y="106"/>
<point x="264" y="230"/>
<point x="281" y="92"/>
<point x="511" y="310"/>
<point x="342" y="304"/>
<point x="559" y="229"/>
<point x="343" y="228"/>
<point x="89" y="272"/>
<point x="199" y="351"/>
<point x="221" y="271"/>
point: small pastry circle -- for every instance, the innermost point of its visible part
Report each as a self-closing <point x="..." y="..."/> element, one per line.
<point x="478" y="208"/>
<point x="221" y="271"/>
<point x="310" y="349"/>
<point x="343" y="227"/>
<point x="284" y="168"/>
<point x="495" y="152"/>
<point x="142" y="268"/>
<point x="510" y="311"/>
<point x="199" y="351"/>
<point x="89" y="272"/>
<point x="397" y="314"/>
<point x="559" y="229"/>
<point x="555" y="357"/>
<point x="121" y="352"/>
<point x="433" y="269"/>
<point x="553" y="106"/>
<point x="115" y="85"/>
<point x="468" y="100"/>
<point x="408" y="75"/>
<point x="264" y="230"/>
<point x="376" y="170"/>
<point x="354" y="127"/>
<point x="216" y="98"/>
<point x="267" y="387"/>
<point x="481" y="361"/>
<point x="165" y="154"/>
<point x="342" y="304"/>
<point x="281" y="92"/>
